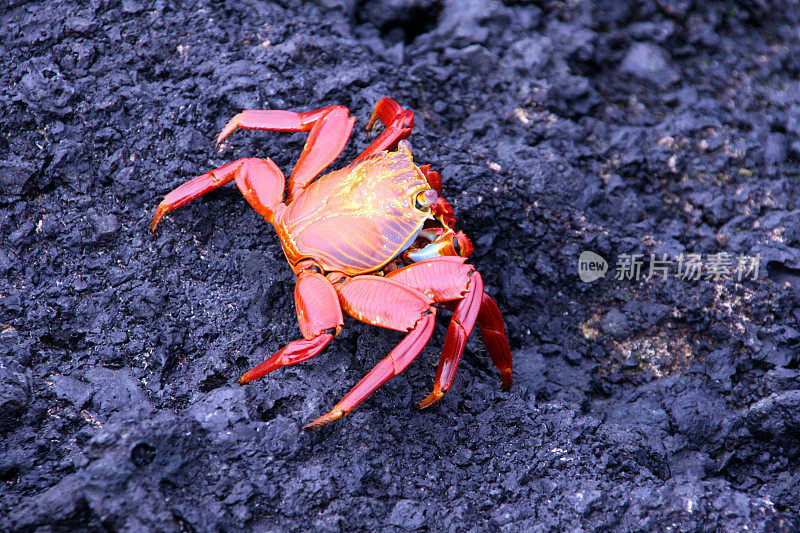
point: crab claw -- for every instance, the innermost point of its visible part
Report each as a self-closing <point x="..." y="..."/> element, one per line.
<point x="463" y="245"/>
<point x="388" y="111"/>
<point x="442" y="210"/>
<point x="433" y="178"/>
<point x="445" y="243"/>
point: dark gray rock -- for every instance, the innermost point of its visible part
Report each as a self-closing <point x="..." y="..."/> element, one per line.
<point x="14" y="395"/>
<point x="408" y="515"/>
<point x="648" y="62"/>
<point x="15" y="173"/>
<point x="776" y="417"/>
<point x="665" y="127"/>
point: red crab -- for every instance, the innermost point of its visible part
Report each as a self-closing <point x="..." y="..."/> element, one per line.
<point x="374" y="239"/>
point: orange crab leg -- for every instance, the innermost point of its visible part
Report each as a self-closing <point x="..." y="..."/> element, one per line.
<point x="260" y="181"/>
<point x="291" y="354"/>
<point x="383" y="302"/>
<point x="449" y="279"/>
<point x="460" y="327"/>
<point x="398" y="121"/>
<point x="329" y="128"/>
<point x="390" y="366"/>
<point x="320" y="318"/>
<point x="493" y="331"/>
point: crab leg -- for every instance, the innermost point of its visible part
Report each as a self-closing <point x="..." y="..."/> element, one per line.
<point x="493" y="331"/>
<point x="329" y="128"/>
<point x="320" y="318"/>
<point x="460" y="327"/>
<point x="449" y="279"/>
<point x="291" y="354"/>
<point x="398" y="121"/>
<point x="383" y="302"/>
<point x="260" y="181"/>
<point x="390" y="366"/>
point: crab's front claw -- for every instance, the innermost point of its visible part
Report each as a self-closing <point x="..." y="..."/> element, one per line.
<point x="443" y="211"/>
<point x="465" y="247"/>
<point x="433" y="178"/>
<point x="446" y="243"/>
<point x="388" y="111"/>
<point x="398" y="121"/>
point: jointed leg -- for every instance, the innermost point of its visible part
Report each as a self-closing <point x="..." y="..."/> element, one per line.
<point x="324" y="144"/>
<point x="460" y="327"/>
<point x="493" y="331"/>
<point x="382" y="302"/>
<point x="274" y="120"/>
<point x="320" y="317"/>
<point x="390" y="366"/>
<point x="291" y="354"/>
<point x="329" y="128"/>
<point x="260" y="181"/>
<point x="447" y="279"/>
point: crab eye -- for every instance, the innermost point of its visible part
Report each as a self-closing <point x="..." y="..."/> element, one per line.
<point x="425" y="199"/>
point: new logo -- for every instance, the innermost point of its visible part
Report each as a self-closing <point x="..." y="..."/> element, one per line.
<point x="591" y="266"/>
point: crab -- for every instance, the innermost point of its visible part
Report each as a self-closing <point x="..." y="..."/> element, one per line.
<point x="374" y="239"/>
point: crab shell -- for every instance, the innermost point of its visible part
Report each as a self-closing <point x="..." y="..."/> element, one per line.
<point x="359" y="218"/>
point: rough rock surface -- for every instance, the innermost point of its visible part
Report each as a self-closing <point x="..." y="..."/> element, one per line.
<point x="662" y="127"/>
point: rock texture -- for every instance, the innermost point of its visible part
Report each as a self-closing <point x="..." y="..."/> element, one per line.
<point x="666" y="127"/>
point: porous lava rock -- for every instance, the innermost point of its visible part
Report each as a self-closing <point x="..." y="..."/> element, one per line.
<point x="624" y="128"/>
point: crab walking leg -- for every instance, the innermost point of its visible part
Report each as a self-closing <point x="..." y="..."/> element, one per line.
<point x="320" y="318"/>
<point x="390" y="366"/>
<point x="457" y="332"/>
<point x="260" y="181"/>
<point x="329" y="128"/>
<point x="398" y="121"/>
<point x="291" y="354"/>
<point x="493" y="331"/>
<point x="274" y="120"/>
<point x="389" y="304"/>
<point x="450" y="279"/>
<point x="324" y="144"/>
